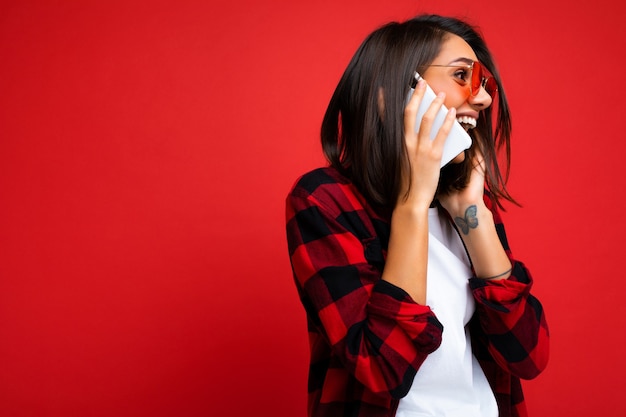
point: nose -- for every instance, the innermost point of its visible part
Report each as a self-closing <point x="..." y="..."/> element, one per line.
<point x="482" y="100"/>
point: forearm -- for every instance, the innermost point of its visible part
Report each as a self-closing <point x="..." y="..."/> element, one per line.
<point x="407" y="254"/>
<point x="477" y="229"/>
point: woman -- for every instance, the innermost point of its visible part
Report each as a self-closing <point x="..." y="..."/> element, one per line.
<point x="415" y="305"/>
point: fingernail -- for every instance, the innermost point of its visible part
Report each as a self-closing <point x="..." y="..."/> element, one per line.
<point x="441" y="94"/>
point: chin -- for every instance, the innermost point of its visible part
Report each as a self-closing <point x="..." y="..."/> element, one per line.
<point x="458" y="159"/>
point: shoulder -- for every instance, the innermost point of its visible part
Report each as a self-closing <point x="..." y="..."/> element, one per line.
<point x="322" y="183"/>
<point x="327" y="189"/>
<point x="326" y="179"/>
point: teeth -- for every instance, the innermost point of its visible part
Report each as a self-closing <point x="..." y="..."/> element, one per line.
<point x="468" y="121"/>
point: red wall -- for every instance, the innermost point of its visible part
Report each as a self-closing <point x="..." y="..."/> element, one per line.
<point x="145" y="151"/>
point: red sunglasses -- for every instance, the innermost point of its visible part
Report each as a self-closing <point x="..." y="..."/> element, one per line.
<point x="481" y="77"/>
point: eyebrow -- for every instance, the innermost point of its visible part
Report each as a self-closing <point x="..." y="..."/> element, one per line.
<point x="467" y="61"/>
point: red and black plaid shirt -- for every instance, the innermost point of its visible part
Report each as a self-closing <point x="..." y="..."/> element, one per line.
<point x="368" y="338"/>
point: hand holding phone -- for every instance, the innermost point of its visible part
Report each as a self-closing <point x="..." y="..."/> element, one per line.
<point x="457" y="141"/>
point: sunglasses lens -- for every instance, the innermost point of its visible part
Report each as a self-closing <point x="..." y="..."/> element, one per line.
<point x="482" y="78"/>
<point x="491" y="86"/>
<point x="477" y="77"/>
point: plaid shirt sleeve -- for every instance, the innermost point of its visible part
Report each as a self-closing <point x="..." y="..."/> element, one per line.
<point x="512" y="338"/>
<point x="374" y="331"/>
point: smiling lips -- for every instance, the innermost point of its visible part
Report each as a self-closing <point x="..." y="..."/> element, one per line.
<point x="467" y="122"/>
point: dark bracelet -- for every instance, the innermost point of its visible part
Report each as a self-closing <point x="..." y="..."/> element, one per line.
<point x="499" y="275"/>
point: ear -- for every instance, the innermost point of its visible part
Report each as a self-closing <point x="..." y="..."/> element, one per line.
<point x="381" y="104"/>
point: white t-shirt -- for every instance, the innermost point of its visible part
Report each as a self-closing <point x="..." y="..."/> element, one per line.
<point x="450" y="382"/>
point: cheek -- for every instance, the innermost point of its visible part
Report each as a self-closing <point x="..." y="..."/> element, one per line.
<point x="456" y="95"/>
<point x="455" y="98"/>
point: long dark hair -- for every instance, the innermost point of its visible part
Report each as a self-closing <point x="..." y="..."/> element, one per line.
<point x="368" y="147"/>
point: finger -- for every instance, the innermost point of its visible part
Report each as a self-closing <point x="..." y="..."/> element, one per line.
<point x="445" y="128"/>
<point x="410" y="112"/>
<point x="429" y="116"/>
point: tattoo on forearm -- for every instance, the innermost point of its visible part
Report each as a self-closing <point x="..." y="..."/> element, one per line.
<point x="469" y="222"/>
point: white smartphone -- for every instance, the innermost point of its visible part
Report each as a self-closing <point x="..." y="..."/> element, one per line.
<point x="457" y="141"/>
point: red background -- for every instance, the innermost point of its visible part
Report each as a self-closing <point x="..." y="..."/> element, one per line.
<point x="146" y="148"/>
